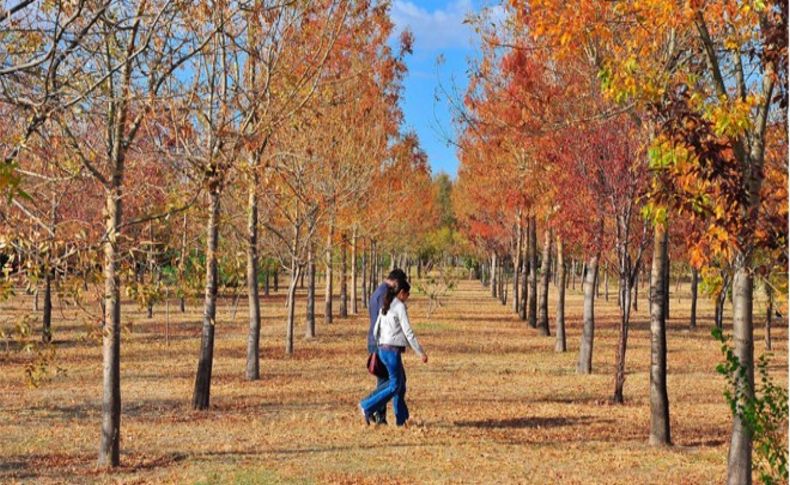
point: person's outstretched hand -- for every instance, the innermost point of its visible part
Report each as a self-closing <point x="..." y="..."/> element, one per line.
<point x="424" y="358"/>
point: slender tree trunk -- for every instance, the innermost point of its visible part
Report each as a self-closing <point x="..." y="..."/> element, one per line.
<point x="584" y="365"/>
<point x="573" y="275"/>
<point x="328" y="295"/>
<point x="524" y="300"/>
<point x="291" y="306"/>
<point x="277" y="279"/>
<point x="694" y="284"/>
<point x="532" y="300"/>
<point x="554" y="268"/>
<point x="253" y="300"/>
<point x="636" y="291"/>
<point x="310" y="311"/>
<point x="606" y="286"/>
<point x="517" y="265"/>
<point x="622" y="342"/>
<point x="721" y="298"/>
<point x="545" y="265"/>
<point x="373" y="262"/>
<point x="149" y="265"/>
<point x="560" y="345"/>
<point x="494" y="273"/>
<point x="202" y="391"/>
<point x="343" y="277"/>
<point x="182" y="264"/>
<point x="354" y="296"/>
<point x="740" y="455"/>
<point x="364" y="278"/>
<point x="659" y="399"/>
<point x="110" y="446"/>
<point x="597" y="288"/>
<point x="769" y="314"/>
<point x="46" y="334"/>
<point x="626" y="270"/>
<point x="266" y="283"/>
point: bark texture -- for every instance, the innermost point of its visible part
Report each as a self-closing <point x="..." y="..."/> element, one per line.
<point x="659" y="399"/>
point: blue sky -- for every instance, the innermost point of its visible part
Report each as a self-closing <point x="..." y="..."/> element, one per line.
<point x="438" y="30"/>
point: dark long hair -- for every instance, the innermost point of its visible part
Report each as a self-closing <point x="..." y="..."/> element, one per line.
<point x="392" y="292"/>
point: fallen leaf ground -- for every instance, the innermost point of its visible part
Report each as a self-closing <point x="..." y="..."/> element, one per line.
<point x="495" y="404"/>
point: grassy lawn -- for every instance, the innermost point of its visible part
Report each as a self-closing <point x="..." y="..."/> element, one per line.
<point x="494" y="404"/>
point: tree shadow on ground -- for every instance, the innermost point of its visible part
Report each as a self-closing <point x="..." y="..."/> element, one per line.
<point x="526" y="422"/>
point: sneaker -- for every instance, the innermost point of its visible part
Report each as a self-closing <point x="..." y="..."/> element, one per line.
<point x="378" y="417"/>
<point x="365" y="415"/>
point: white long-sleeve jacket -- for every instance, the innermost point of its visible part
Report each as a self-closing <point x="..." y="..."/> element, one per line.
<point x="394" y="328"/>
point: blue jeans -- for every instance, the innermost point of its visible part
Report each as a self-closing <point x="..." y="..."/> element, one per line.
<point x="381" y="383"/>
<point x="394" y="389"/>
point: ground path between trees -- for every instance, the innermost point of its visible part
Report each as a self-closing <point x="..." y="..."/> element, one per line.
<point x="495" y="403"/>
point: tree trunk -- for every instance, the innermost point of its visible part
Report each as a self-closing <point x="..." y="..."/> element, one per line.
<point x="560" y="345"/>
<point x="253" y="301"/>
<point x="373" y="262"/>
<point x="666" y="290"/>
<point x="694" y="284"/>
<point x="310" y="311"/>
<point x="769" y="314"/>
<point x="573" y="275"/>
<point x="266" y="283"/>
<point x="624" y="293"/>
<point x="291" y="305"/>
<point x="545" y="265"/>
<point x="149" y="265"/>
<point x="606" y="286"/>
<point x="46" y="334"/>
<point x="182" y="264"/>
<point x="364" y="270"/>
<point x="740" y="456"/>
<point x="276" y="279"/>
<point x="584" y="366"/>
<point x="110" y="446"/>
<point x="524" y="300"/>
<point x="636" y="291"/>
<point x="532" y="299"/>
<point x="597" y="288"/>
<point x="721" y="298"/>
<point x="517" y="265"/>
<point x="328" y="294"/>
<point x="494" y="273"/>
<point x="503" y="282"/>
<point x="354" y="296"/>
<point x="343" y="277"/>
<point x="202" y="391"/>
<point x="659" y="400"/>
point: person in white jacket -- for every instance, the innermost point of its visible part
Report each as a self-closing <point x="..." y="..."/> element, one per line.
<point x="393" y="334"/>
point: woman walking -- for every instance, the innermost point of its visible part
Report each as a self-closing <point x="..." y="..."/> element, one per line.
<point x="393" y="333"/>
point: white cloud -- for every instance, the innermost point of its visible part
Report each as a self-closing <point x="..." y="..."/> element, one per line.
<point x="437" y="29"/>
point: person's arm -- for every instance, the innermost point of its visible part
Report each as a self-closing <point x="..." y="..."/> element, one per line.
<point x="408" y="332"/>
<point x="374" y="309"/>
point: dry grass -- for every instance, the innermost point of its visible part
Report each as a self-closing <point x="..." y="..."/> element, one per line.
<point x="495" y="403"/>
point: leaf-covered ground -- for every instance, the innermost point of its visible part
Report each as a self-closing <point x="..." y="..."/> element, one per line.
<point x="494" y="404"/>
